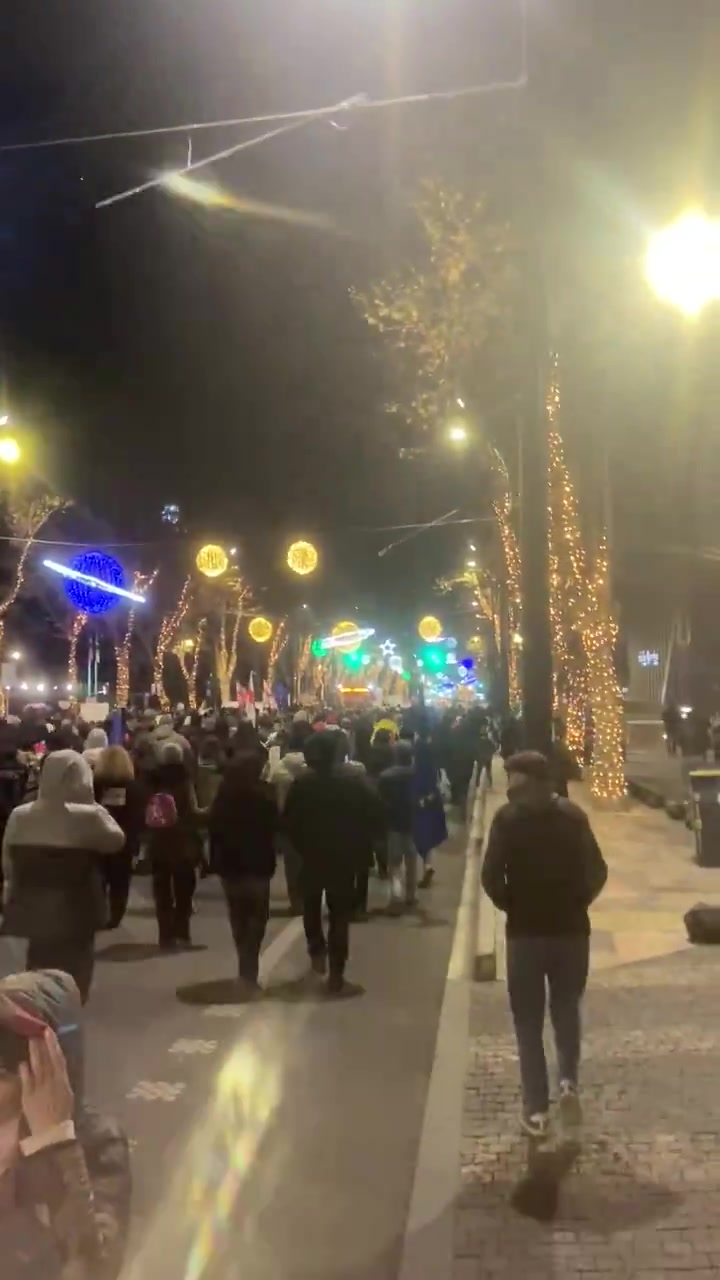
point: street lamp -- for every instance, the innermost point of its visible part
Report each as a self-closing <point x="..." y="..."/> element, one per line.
<point x="457" y="433"/>
<point x="683" y="262"/>
<point x="9" y="450"/>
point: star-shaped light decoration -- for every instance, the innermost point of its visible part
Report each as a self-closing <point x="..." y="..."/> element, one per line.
<point x="387" y="648"/>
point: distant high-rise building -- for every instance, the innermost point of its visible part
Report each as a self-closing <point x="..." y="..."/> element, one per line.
<point x="171" y="513"/>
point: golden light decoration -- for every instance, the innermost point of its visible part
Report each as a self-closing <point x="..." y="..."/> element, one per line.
<point x="476" y="645"/>
<point x="429" y="628"/>
<point x="345" y="628"/>
<point x="260" y="630"/>
<point x="302" y="558"/>
<point x="212" y="560"/>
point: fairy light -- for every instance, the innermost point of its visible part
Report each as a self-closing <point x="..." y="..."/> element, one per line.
<point x="599" y="633"/>
<point x="142" y="582"/>
<point x="511" y="552"/>
<point x="169" y="629"/>
<point x="279" y="643"/>
<point x="78" y="623"/>
<point x="192" y="678"/>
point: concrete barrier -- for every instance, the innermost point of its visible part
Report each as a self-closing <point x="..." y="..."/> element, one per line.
<point x="485" y="967"/>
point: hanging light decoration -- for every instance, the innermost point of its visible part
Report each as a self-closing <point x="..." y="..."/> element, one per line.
<point x="260" y="630"/>
<point x="302" y="558"/>
<point x="430" y="628"/>
<point x="347" y="636"/>
<point x="212" y="560"/>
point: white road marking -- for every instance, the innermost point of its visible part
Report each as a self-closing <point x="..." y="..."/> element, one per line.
<point x="428" y="1244"/>
<point x="187" y="1047"/>
<point x="156" y="1091"/>
<point x="223" y="1011"/>
<point x="269" y="959"/>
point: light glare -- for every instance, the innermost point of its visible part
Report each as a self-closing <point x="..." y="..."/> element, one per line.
<point x="683" y="263"/>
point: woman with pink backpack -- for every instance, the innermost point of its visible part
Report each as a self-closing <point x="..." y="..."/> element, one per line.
<point x="173" y="821"/>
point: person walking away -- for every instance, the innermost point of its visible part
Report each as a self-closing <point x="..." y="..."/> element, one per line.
<point x="51" y="855"/>
<point x="543" y="868"/>
<point x="430" y="825"/>
<point x="485" y="750"/>
<point x="173" y="821"/>
<point x="397" y="792"/>
<point x="64" y="1169"/>
<point x="243" y="823"/>
<point x="332" y="816"/>
<point x="118" y="792"/>
<point x="672" y="720"/>
<point x="380" y="757"/>
<point x="95" y="743"/>
<point x="291" y="765"/>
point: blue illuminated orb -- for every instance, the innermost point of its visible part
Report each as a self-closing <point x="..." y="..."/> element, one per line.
<point x="87" y="599"/>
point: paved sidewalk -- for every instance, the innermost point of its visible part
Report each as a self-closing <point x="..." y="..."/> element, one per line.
<point x="642" y="1201"/>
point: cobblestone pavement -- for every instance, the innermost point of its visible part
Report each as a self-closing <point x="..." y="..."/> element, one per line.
<point x="643" y="1199"/>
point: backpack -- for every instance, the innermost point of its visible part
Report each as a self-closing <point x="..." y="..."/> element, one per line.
<point x="161" y="811"/>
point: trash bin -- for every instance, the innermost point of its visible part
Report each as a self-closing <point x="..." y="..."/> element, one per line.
<point x="705" y="815"/>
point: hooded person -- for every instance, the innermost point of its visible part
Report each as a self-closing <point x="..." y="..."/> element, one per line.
<point x="95" y="744"/>
<point x="173" y="820"/>
<point x="398" y="794"/>
<point x="290" y="767"/>
<point x="53" y="887"/>
<point x="64" y="1169"/>
<point x="166" y="732"/>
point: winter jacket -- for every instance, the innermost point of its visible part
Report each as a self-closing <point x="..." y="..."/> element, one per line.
<point x="397" y="792"/>
<point x="66" y="1216"/>
<point x="543" y="868"/>
<point x="53" y="887"/>
<point x="96" y="743"/>
<point x="332" y="819"/>
<point x="243" y="823"/>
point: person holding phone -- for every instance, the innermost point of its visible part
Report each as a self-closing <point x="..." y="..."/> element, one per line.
<point x="64" y="1171"/>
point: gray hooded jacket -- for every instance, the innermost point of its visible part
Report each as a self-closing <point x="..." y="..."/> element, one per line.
<point x="50" y="855"/>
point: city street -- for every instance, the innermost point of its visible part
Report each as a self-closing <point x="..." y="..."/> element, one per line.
<point x="642" y="1200"/>
<point x="285" y="1133"/>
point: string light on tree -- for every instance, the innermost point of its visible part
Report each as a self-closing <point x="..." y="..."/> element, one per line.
<point x="302" y="558"/>
<point x="170" y="626"/>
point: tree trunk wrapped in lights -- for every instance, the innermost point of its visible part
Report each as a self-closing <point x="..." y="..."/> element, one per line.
<point x="141" y="582"/>
<point x="568" y="580"/>
<point x="228" y="615"/>
<point x="193" y="676"/>
<point x="277" y="646"/>
<point x="599" y="634"/>
<point x="25" y="514"/>
<point x="511" y="552"/>
<point x="168" y="631"/>
<point x="78" y="623"/>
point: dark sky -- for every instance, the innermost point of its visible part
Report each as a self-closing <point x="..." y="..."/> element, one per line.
<point x="160" y="352"/>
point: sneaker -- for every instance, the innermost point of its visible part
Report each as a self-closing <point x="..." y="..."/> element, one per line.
<point x="570" y="1109"/>
<point x="537" y="1126"/>
<point x="427" y="879"/>
<point x="319" y="964"/>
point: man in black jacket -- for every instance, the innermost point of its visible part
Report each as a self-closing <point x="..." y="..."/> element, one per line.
<point x="397" y="792"/>
<point x="543" y="868"/>
<point x="332" y="814"/>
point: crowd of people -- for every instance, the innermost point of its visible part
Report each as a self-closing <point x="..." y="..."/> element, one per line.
<point x="190" y="795"/>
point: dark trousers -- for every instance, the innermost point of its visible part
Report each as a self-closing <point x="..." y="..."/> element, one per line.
<point x="76" y="957"/>
<point x="173" y="888"/>
<point x="340" y="895"/>
<point x="487" y="766"/>
<point x="360" y="889"/>
<point x="293" y="872"/>
<point x="116" y="872"/>
<point x="561" y="966"/>
<point x="248" y="900"/>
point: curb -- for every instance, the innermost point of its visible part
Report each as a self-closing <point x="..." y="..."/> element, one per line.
<point x="484" y="966"/>
<point x="655" y="799"/>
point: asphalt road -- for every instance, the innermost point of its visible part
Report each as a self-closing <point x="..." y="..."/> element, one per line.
<point x="278" y="1141"/>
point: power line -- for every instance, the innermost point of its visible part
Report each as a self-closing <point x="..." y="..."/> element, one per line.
<point x="361" y="103"/>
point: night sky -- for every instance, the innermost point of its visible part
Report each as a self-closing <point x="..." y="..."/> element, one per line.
<point x="158" y="352"/>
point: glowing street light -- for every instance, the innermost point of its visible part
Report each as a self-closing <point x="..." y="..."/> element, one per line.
<point x="9" y="450"/>
<point x="683" y="262"/>
<point x="457" y="433"/>
<point x="16" y="655"/>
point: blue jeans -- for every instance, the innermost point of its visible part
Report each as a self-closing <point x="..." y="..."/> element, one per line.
<point x="560" y="965"/>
